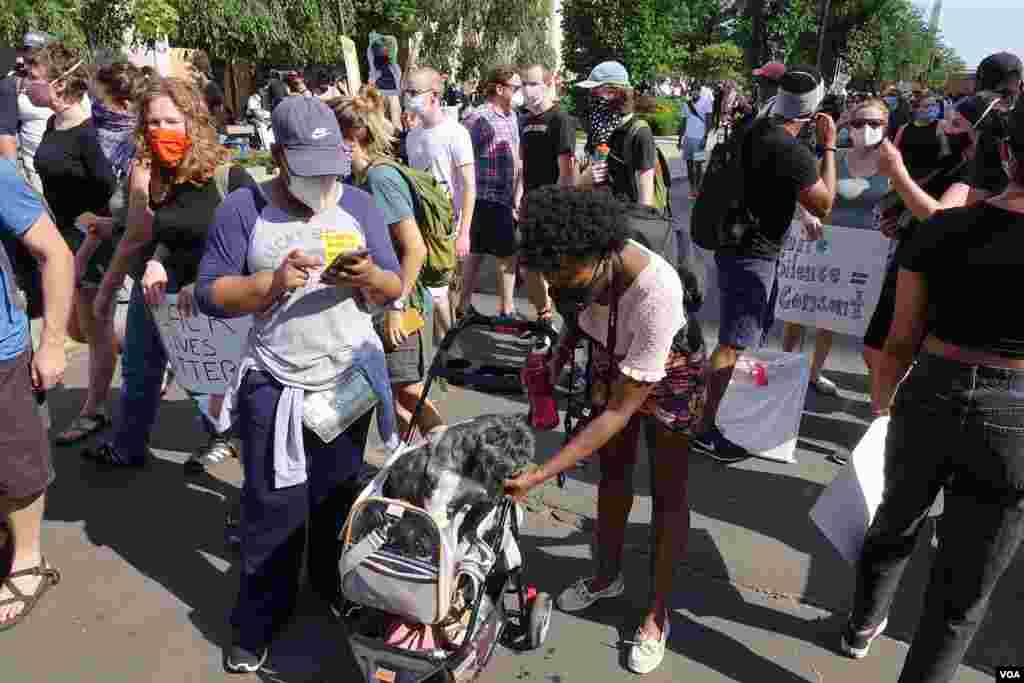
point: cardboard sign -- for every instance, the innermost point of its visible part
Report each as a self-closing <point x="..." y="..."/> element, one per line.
<point x="205" y="352"/>
<point x="832" y="283"/>
<point x="351" y="57"/>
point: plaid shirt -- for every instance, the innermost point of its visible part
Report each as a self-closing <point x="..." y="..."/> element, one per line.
<point x="496" y="147"/>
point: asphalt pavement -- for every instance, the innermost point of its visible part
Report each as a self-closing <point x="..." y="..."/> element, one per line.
<point x="148" y="581"/>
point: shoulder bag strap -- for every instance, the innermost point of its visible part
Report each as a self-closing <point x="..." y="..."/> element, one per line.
<point x="610" y="341"/>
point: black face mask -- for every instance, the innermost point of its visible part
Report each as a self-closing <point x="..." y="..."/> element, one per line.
<point x="569" y="301"/>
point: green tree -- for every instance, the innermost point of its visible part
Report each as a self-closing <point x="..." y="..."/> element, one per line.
<point x="718" y="62"/>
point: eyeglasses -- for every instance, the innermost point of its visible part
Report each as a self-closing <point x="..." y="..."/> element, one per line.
<point x="871" y="123"/>
<point x="516" y="87"/>
<point x="417" y="93"/>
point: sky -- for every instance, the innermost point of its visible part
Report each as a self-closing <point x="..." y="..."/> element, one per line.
<point x="978" y="28"/>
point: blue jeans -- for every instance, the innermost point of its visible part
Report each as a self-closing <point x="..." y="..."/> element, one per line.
<point x="748" y="286"/>
<point x="142" y="374"/>
<point x="961" y="428"/>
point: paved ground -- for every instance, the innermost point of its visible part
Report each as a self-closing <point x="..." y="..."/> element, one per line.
<point x="148" y="580"/>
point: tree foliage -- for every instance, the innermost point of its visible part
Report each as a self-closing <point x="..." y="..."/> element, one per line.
<point x="898" y="45"/>
<point x="90" y="23"/>
<point x="718" y="62"/>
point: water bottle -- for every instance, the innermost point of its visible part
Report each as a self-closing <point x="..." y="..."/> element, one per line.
<point x="539" y="390"/>
<point x="751" y="372"/>
<point x="599" y="164"/>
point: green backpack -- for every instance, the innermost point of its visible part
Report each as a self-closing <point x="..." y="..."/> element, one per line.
<point x="662" y="173"/>
<point x="434" y="216"/>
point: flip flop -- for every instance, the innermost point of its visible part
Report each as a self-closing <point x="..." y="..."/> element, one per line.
<point x="50" y="578"/>
<point x="82" y="427"/>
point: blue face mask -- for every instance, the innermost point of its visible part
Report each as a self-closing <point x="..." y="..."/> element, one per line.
<point x="927" y="115"/>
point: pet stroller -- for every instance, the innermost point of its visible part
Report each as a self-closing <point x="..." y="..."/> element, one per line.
<point x="428" y="600"/>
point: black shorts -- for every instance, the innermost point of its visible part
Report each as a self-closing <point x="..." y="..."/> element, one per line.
<point x="408" y="364"/>
<point x="25" y="464"/>
<point x="881" y="320"/>
<point x="493" y="230"/>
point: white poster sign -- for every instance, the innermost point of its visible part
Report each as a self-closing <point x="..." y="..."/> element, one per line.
<point x="832" y="283"/>
<point x="763" y="404"/>
<point x="845" y="510"/>
<point x="204" y="351"/>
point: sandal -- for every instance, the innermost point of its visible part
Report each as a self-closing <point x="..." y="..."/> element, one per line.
<point x="50" y="577"/>
<point x="81" y="428"/>
<point x="106" y="456"/>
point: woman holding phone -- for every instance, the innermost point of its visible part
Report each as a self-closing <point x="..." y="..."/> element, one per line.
<point x="312" y="334"/>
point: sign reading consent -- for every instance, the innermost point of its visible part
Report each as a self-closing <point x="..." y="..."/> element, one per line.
<point x="205" y="352"/>
<point x="832" y="283"/>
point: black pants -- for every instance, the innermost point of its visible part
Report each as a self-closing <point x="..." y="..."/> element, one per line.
<point x="960" y="427"/>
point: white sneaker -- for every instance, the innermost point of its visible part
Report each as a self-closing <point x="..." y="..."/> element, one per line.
<point x="578" y="596"/>
<point x="646" y="654"/>
<point x="823" y="385"/>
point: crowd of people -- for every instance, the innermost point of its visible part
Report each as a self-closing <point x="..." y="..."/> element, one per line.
<point x="109" y="172"/>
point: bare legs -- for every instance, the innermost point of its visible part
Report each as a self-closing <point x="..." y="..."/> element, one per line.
<point x="506" y="283"/>
<point x="406" y="397"/>
<point x="103" y="346"/>
<point x="793" y="340"/>
<point x="537" y="291"/>
<point x="670" y="525"/>
<point x="720" y="367"/>
<point x="25" y="518"/>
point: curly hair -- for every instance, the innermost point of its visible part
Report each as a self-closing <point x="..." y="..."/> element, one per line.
<point x="364" y="113"/>
<point x="582" y="224"/>
<point x="206" y="153"/>
<point x="65" y="65"/>
<point x="122" y="80"/>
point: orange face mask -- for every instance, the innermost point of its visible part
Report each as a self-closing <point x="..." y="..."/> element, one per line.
<point x="169" y="145"/>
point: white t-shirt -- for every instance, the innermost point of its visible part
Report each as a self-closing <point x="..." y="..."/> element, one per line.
<point x="442" y="150"/>
<point x="32" y="124"/>
<point x="696" y="126"/>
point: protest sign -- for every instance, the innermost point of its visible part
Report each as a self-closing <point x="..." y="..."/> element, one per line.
<point x="832" y="283"/>
<point x="352" y="76"/>
<point x="762" y="414"/>
<point x="845" y="510"/>
<point x="204" y="352"/>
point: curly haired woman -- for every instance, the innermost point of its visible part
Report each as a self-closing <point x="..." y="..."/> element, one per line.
<point x="172" y="196"/>
<point x="647" y="373"/>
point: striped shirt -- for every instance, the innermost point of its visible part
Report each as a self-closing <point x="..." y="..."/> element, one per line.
<point x="495" y="139"/>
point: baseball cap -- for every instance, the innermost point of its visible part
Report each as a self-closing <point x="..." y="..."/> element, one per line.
<point x="307" y="130"/>
<point x="772" y="71"/>
<point x="995" y="69"/>
<point x="36" y="39"/>
<point x="606" y="73"/>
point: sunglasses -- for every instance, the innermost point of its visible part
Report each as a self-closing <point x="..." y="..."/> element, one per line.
<point x="871" y="123"/>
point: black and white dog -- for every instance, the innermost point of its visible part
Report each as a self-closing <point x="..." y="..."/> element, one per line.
<point x="466" y="465"/>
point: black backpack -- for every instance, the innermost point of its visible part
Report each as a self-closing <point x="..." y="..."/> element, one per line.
<point x="720" y="216"/>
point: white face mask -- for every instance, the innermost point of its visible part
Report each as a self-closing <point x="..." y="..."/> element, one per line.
<point x="867" y="136"/>
<point x="534" y="96"/>
<point x="319" y="193"/>
<point x="518" y="99"/>
<point x="418" y="105"/>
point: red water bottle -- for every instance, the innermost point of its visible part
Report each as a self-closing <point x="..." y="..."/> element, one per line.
<point x="539" y="390"/>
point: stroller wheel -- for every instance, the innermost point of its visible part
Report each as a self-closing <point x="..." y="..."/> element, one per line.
<point x="539" y="620"/>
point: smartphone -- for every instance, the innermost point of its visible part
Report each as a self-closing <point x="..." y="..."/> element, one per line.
<point x="341" y="260"/>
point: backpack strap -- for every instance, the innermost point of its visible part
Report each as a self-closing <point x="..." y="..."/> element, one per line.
<point x="222" y="178"/>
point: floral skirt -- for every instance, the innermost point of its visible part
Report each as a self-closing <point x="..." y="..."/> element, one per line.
<point x="677" y="401"/>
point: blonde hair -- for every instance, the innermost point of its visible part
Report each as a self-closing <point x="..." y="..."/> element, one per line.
<point x="364" y="113"/>
<point x="205" y="153"/>
<point x="869" y="103"/>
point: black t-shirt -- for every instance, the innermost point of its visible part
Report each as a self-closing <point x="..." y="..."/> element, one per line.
<point x="76" y="175"/>
<point x="986" y="172"/>
<point x="778" y="167"/>
<point x="621" y="176"/>
<point x="546" y="137"/>
<point x="922" y="149"/>
<point x="971" y="259"/>
<point x="8" y="106"/>
<point x="181" y="222"/>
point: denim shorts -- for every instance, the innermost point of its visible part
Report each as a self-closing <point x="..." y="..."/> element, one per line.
<point x="748" y="287"/>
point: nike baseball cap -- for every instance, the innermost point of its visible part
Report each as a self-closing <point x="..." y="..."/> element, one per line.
<point x="307" y="130"/>
<point x="36" y="39"/>
<point x="996" y="69"/>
